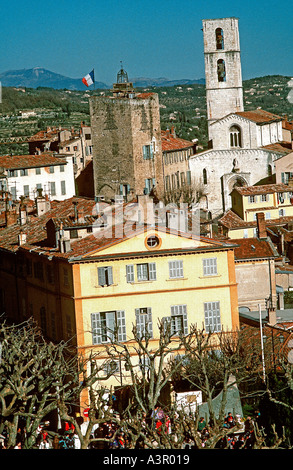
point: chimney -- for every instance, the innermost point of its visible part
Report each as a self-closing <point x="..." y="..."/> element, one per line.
<point x="173" y="132"/>
<point x="261" y="225"/>
<point x="75" y="211"/>
<point x="42" y="203"/>
<point x="21" y="238"/>
<point x="272" y="316"/>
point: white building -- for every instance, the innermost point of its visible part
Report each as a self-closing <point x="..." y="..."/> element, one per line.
<point x="243" y="145"/>
<point x="24" y="175"/>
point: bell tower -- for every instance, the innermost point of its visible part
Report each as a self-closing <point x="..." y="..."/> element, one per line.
<point x="224" y="92"/>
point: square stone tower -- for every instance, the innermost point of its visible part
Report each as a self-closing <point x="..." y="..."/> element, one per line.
<point x="224" y="92"/>
<point x="126" y="136"/>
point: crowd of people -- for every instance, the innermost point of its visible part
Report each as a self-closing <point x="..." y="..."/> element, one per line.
<point x="109" y="436"/>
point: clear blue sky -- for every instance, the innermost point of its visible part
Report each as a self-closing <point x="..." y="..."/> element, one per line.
<point x="161" y="38"/>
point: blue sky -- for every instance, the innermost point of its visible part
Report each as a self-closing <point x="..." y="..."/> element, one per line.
<point x="152" y="38"/>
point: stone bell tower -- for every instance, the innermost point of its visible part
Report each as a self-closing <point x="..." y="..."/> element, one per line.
<point x="224" y="92"/>
<point x="126" y="135"/>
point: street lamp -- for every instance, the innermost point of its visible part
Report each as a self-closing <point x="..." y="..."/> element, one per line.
<point x="262" y="344"/>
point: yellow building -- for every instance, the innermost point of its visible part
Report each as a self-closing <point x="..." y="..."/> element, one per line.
<point x="272" y="199"/>
<point x="80" y="283"/>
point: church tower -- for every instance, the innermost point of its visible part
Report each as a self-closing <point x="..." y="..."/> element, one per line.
<point x="224" y="92"/>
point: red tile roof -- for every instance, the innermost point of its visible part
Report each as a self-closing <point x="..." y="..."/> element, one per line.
<point x="260" y="116"/>
<point x="263" y="189"/>
<point x="30" y="161"/>
<point x="232" y="221"/>
<point x="280" y="147"/>
<point x="169" y="142"/>
<point x="252" y="248"/>
<point x="36" y="233"/>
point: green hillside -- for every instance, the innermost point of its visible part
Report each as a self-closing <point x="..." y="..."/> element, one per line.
<point x="183" y="106"/>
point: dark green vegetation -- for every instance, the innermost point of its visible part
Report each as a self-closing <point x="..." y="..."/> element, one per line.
<point x="183" y="106"/>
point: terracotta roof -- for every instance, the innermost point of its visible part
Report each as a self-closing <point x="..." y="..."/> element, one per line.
<point x="36" y="233"/>
<point x="280" y="147"/>
<point x="263" y="189"/>
<point x="260" y="116"/>
<point x="232" y="221"/>
<point x="45" y="135"/>
<point x="288" y="125"/>
<point x="169" y="142"/>
<point x="30" y="161"/>
<point x="251" y="248"/>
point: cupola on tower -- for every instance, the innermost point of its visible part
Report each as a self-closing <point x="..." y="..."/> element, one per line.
<point x="224" y="92"/>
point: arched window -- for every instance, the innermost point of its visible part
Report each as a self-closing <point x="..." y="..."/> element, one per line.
<point x="221" y="70"/>
<point x="205" y="176"/>
<point x="235" y="137"/>
<point x="219" y="38"/>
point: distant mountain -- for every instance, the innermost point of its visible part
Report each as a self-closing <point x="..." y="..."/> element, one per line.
<point x="40" y="77"/>
<point x="161" y="82"/>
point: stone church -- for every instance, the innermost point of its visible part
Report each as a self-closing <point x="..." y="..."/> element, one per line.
<point x="243" y="145"/>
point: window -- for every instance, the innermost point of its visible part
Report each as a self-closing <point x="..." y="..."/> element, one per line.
<point x="245" y="233"/>
<point x="146" y="272"/>
<point x="149" y="184"/>
<point x="144" y="325"/>
<point x="43" y="320"/>
<point x="26" y="190"/>
<point x="105" y="276"/>
<point x="52" y="188"/>
<point x="148" y="153"/>
<point x="68" y="325"/>
<point x="281" y="198"/>
<point x="268" y="215"/>
<point x="235" y="136"/>
<point x="188" y="177"/>
<point x="52" y="169"/>
<point x="65" y="277"/>
<point x="175" y="269"/>
<point x="221" y="70"/>
<point x="212" y="316"/>
<point x="111" y="368"/>
<point x="38" y="171"/>
<point x="177" y="322"/>
<point x="50" y="274"/>
<point x="24" y="172"/>
<point x="282" y="213"/>
<point x="53" y="326"/>
<point x="108" y="326"/>
<point x="130" y="273"/>
<point x="38" y="271"/>
<point x="219" y="38"/>
<point x="73" y="233"/>
<point x="152" y="241"/>
<point x="286" y="176"/>
<point x="62" y="168"/>
<point x="12" y="173"/>
<point x="251" y="199"/>
<point x="210" y="267"/>
<point x="204" y="176"/>
<point x="263" y="198"/>
<point x="63" y="188"/>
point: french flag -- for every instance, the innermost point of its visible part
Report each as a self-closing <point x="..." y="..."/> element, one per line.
<point x="89" y="79"/>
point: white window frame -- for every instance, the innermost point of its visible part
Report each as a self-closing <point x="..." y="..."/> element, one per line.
<point x="146" y="272"/>
<point x="210" y="266"/>
<point x="212" y="317"/>
<point x="144" y="322"/>
<point x="105" y="276"/>
<point x="175" y="269"/>
<point x="106" y="324"/>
